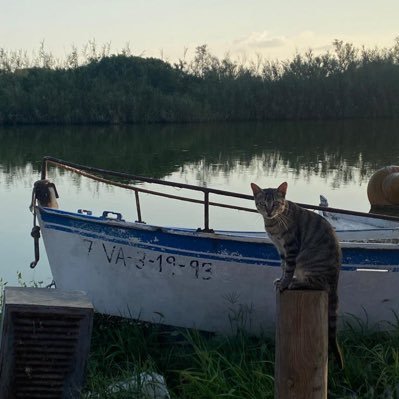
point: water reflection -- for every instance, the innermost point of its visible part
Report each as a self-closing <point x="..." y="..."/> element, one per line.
<point x="333" y="158"/>
<point x="334" y="150"/>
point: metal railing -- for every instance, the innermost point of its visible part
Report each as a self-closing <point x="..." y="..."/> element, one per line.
<point x="98" y="175"/>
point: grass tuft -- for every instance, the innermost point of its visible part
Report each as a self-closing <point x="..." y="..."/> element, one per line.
<point x="201" y="365"/>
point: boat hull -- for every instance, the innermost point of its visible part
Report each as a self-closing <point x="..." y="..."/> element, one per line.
<point x="209" y="281"/>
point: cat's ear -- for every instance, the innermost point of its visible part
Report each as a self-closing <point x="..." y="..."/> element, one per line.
<point x="282" y="188"/>
<point x="255" y="188"/>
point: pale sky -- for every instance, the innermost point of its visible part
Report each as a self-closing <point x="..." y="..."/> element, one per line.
<point x="274" y="29"/>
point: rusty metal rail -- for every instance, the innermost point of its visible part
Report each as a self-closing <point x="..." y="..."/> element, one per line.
<point x="98" y="175"/>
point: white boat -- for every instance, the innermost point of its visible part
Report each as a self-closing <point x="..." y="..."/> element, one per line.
<point x="209" y="280"/>
<point x="357" y="226"/>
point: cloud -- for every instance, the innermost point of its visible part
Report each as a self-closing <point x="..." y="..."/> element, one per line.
<point x="276" y="45"/>
<point x="281" y="46"/>
<point x="260" y="40"/>
<point x="323" y="48"/>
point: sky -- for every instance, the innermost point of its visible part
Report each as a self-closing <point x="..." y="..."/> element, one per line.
<point x="172" y="29"/>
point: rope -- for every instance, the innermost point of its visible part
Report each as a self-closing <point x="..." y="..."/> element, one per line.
<point x="35" y="233"/>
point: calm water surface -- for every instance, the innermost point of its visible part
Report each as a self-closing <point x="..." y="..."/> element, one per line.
<point x="335" y="159"/>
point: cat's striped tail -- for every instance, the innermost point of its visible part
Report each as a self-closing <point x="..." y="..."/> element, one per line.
<point x="332" y="328"/>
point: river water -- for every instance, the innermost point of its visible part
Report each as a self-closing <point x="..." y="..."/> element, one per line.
<point x="335" y="159"/>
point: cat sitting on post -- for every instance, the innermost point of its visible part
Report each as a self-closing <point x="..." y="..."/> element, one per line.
<point x="308" y="247"/>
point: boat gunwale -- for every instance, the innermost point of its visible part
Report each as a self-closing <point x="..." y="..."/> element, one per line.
<point x="218" y="234"/>
<point x="230" y="235"/>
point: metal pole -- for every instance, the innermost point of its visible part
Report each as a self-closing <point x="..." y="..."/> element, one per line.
<point x="206" y="211"/>
<point x="136" y="193"/>
<point x="44" y="169"/>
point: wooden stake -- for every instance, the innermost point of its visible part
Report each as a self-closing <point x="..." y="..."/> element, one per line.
<point x="301" y="345"/>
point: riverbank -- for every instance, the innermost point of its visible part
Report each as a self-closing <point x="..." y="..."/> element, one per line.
<point x="204" y="366"/>
<point x="199" y="365"/>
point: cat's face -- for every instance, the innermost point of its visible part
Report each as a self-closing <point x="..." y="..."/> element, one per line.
<point x="270" y="202"/>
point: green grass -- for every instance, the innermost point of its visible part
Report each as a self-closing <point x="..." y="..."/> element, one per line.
<point x="197" y="365"/>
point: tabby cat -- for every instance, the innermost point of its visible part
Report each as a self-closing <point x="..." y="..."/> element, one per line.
<point x="309" y="250"/>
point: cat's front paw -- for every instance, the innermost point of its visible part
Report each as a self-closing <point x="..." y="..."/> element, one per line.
<point x="276" y="282"/>
<point x="281" y="285"/>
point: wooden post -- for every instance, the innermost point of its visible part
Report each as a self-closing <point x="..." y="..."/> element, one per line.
<point x="301" y="345"/>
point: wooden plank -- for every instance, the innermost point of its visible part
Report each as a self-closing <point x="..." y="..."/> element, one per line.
<point x="301" y="345"/>
<point x="46" y="297"/>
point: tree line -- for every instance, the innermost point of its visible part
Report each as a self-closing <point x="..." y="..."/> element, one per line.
<point x="347" y="82"/>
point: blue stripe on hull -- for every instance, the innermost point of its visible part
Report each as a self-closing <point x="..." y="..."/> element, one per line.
<point x="210" y="247"/>
<point x="169" y="247"/>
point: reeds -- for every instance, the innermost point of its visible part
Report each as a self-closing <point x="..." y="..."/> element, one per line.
<point x="96" y="85"/>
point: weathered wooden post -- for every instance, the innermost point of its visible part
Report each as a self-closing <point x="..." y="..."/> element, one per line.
<point x="301" y="345"/>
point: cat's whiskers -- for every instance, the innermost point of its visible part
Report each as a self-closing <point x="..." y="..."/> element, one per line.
<point x="282" y="220"/>
<point x="284" y="223"/>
